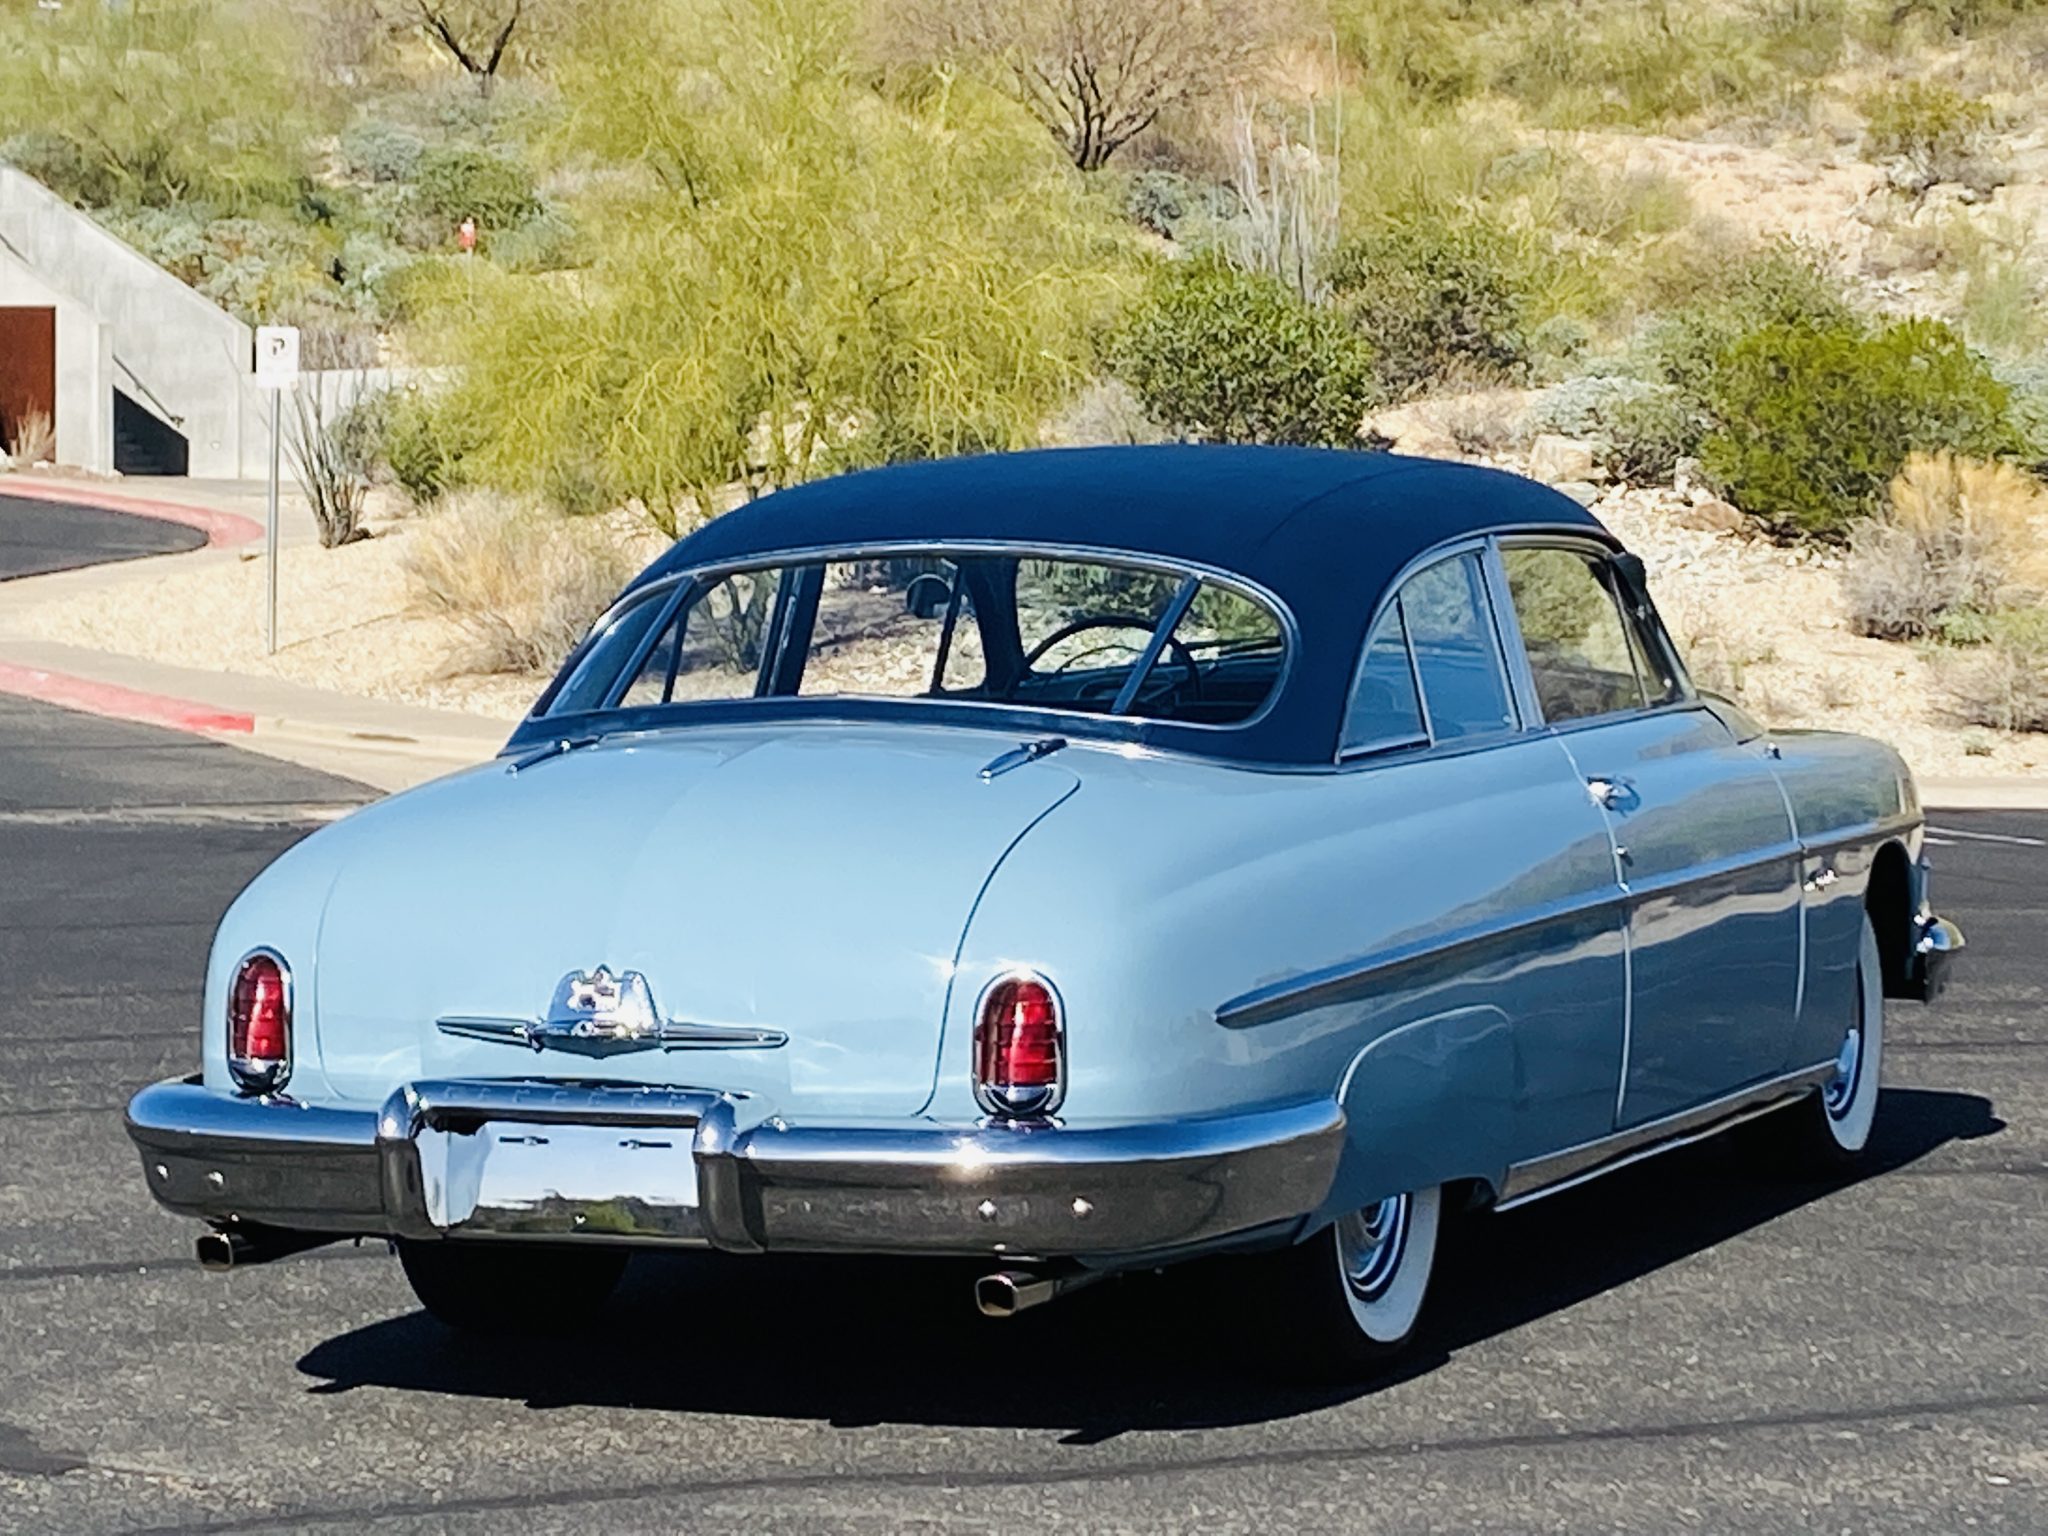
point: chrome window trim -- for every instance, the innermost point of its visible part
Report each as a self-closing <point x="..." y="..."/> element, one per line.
<point x="1390" y="597"/>
<point x="1290" y="631"/>
<point x="1506" y="635"/>
<point x="1579" y="543"/>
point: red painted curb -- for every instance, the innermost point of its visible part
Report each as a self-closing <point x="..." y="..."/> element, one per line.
<point x="119" y="703"/>
<point x="223" y="530"/>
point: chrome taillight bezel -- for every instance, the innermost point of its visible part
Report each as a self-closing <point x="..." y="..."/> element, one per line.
<point x="255" y="1075"/>
<point x="1020" y="1101"/>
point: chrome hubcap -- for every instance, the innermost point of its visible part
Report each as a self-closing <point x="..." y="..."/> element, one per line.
<point x="1841" y="1088"/>
<point x="1370" y="1243"/>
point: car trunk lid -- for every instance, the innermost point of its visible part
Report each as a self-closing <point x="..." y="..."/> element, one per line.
<point x="812" y="883"/>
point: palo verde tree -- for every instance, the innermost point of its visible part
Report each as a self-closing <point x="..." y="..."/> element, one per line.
<point x="1096" y="73"/>
<point x="802" y="274"/>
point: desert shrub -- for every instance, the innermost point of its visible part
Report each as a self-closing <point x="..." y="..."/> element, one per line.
<point x="1640" y="427"/>
<point x="381" y="150"/>
<point x="1784" y="285"/>
<point x="1959" y="539"/>
<point x="1227" y="356"/>
<point x="426" y="438"/>
<point x="2002" y="682"/>
<point x="1810" y="424"/>
<point x="1439" y="303"/>
<point x="803" y="273"/>
<point x="1934" y="127"/>
<point x="2001" y="306"/>
<point x="1636" y="63"/>
<point x="332" y="447"/>
<point x="1421" y="44"/>
<point x="1646" y="436"/>
<point x="453" y="182"/>
<point x="2027" y="381"/>
<point x="522" y="585"/>
<point x="1105" y="412"/>
<point x="31" y="438"/>
<point x="62" y="165"/>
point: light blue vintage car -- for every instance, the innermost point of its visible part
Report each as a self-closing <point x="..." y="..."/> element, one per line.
<point x="1075" y="861"/>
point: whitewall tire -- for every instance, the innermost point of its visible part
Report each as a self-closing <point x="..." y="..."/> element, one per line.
<point x="1349" y="1297"/>
<point x="1828" y="1130"/>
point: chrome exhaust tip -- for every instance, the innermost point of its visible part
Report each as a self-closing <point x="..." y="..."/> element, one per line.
<point x="220" y="1251"/>
<point x="1010" y="1291"/>
<point x="223" y="1248"/>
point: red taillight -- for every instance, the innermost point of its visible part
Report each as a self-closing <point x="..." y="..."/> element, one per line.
<point x="260" y="1023"/>
<point x="1018" y="1048"/>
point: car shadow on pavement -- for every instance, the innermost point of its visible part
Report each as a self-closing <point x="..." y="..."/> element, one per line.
<point x="858" y="1342"/>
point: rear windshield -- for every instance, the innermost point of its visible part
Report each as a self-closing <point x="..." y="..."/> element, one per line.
<point x="1055" y="633"/>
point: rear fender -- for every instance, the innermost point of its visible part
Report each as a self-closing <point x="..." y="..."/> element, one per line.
<point x="1430" y="1102"/>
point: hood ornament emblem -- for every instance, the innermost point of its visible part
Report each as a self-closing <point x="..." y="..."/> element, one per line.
<point x="597" y="1013"/>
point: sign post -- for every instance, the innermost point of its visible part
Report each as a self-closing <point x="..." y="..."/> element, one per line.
<point x="277" y="369"/>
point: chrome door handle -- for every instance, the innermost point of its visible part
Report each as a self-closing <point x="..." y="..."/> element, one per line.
<point x="1610" y="793"/>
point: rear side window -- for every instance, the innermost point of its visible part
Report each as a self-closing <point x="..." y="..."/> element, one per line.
<point x="1432" y="670"/>
<point x="1570" y="614"/>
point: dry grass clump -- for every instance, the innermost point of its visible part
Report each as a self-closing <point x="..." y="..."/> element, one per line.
<point x="1960" y="537"/>
<point x="522" y="584"/>
<point x="2003" y="682"/>
<point x="34" y="439"/>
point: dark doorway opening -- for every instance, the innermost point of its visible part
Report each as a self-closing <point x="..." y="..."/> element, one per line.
<point x="144" y="444"/>
<point x="28" y="379"/>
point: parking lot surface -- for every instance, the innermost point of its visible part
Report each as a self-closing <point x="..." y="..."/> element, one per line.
<point x="1690" y="1345"/>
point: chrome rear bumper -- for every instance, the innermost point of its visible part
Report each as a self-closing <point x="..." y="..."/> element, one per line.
<point x="549" y="1160"/>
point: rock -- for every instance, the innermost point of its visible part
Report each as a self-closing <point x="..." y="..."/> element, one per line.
<point x="1584" y="492"/>
<point x="1556" y="460"/>
<point x="1714" y="515"/>
<point x="1406" y="432"/>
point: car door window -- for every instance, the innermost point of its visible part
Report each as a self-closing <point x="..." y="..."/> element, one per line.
<point x="1386" y="711"/>
<point x="1457" y="656"/>
<point x="1432" y="670"/>
<point x="1580" y="653"/>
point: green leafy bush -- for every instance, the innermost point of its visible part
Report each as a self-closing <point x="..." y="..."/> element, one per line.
<point x="425" y="440"/>
<point x="1440" y="303"/>
<point x="1227" y="356"/>
<point x="458" y="181"/>
<point x="1783" y="286"/>
<point x="1812" y="423"/>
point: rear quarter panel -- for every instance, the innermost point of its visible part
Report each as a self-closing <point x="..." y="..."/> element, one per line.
<point x="1164" y="888"/>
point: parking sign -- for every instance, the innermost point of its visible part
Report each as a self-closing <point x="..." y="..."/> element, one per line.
<point x="277" y="355"/>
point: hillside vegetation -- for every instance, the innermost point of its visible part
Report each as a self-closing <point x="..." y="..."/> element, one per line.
<point x="1782" y="254"/>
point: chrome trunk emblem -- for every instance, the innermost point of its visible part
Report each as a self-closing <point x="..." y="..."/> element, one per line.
<point x="595" y="1013"/>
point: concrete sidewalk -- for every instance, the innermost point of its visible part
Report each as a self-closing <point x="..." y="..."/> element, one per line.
<point x="385" y="744"/>
<point x="388" y="745"/>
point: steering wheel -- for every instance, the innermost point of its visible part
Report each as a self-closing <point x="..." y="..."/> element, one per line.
<point x="1181" y="654"/>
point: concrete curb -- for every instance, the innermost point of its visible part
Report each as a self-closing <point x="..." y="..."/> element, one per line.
<point x="118" y="703"/>
<point x="223" y="530"/>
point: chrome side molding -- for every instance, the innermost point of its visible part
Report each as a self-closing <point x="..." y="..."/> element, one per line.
<point x="1577" y="1165"/>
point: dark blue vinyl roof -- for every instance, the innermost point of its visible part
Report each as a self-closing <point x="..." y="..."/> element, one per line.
<point x="1323" y="529"/>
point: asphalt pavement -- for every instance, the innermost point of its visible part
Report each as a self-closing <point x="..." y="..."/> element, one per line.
<point x="38" y="536"/>
<point x="1690" y="1345"/>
